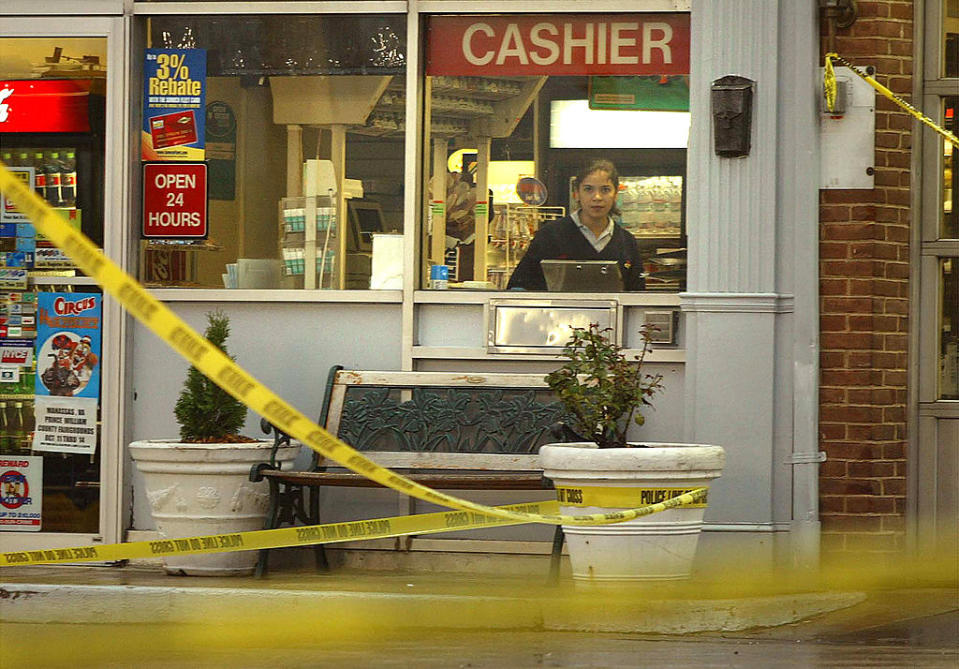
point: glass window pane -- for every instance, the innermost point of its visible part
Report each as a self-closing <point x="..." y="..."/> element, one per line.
<point x="53" y="138"/>
<point x="324" y="94"/>
<point x="950" y="31"/>
<point x="949" y="329"/>
<point x="949" y="226"/>
<point x="505" y="147"/>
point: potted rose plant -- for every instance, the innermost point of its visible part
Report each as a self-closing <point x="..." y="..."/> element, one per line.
<point x="198" y="485"/>
<point x="601" y="388"/>
<point x="604" y="392"/>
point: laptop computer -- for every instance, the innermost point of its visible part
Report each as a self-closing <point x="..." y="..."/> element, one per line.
<point x="582" y="276"/>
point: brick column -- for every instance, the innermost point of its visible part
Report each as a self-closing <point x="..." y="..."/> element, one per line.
<point x="864" y="275"/>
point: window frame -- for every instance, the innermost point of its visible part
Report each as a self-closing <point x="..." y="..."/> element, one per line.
<point x="415" y="138"/>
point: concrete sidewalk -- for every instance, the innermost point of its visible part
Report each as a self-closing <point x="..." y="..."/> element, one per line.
<point x="387" y="600"/>
<point x="116" y="618"/>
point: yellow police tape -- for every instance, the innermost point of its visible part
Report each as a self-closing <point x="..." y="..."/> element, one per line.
<point x="235" y="380"/>
<point x="622" y="497"/>
<point x="376" y="528"/>
<point x="829" y="86"/>
<point x="356" y="530"/>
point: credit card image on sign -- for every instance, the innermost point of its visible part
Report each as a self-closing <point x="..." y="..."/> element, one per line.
<point x="582" y="276"/>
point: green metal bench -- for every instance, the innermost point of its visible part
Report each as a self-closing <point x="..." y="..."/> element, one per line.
<point x="446" y="430"/>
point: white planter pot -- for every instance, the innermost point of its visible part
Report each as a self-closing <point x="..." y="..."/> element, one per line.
<point x="660" y="546"/>
<point x="200" y="489"/>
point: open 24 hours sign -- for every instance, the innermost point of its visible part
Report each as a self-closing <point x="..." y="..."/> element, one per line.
<point x="175" y="200"/>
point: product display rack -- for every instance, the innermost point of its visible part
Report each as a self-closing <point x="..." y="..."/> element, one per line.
<point x="310" y="243"/>
<point x="511" y="231"/>
<point x="652" y="210"/>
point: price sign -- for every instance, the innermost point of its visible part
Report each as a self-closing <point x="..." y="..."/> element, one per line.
<point x="175" y="200"/>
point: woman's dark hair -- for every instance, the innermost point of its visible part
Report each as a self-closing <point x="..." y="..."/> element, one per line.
<point x="599" y="165"/>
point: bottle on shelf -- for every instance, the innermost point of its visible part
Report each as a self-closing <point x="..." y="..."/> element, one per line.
<point x="16" y="429"/>
<point x="39" y="175"/>
<point x="7" y="158"/>
<point x="52" y="169"/>
<point x="26" y="443"/>
<point x="5" y="432"/>
<point x="68" y="179"/>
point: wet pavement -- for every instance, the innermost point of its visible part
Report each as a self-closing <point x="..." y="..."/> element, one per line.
<point x="900" y="617"/>
<point x="165" y="647"/>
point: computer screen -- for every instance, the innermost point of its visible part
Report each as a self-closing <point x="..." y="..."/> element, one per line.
<point x="365" y="218"/>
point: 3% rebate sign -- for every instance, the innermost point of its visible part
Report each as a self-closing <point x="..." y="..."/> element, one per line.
<point x="175" y="200"/>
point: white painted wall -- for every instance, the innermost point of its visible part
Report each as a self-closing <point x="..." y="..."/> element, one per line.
<point x="287" y="346"/>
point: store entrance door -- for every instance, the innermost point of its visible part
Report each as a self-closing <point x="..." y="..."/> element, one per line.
<point x="60" y="82"/>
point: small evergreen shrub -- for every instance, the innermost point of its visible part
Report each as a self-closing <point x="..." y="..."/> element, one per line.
<point x="207" y="413"/>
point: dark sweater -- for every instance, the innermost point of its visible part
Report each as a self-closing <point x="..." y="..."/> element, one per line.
<point x="562" y="240"/>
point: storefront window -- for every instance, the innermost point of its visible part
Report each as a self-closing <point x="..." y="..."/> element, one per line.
<point x="296" y="129"/>
<point x="517" y="106"/>
<point x="948" y="317"/>
<point x="949" y="329"/>
<point x="950" y="38"/>
<point x="949" y="228"/>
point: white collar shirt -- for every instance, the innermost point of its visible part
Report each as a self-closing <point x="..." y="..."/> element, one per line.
<point x="599" y="241"/>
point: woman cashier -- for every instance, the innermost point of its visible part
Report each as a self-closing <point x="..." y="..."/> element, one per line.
<point x="588" y="234"/>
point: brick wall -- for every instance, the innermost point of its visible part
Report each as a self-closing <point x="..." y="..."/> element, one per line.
<point x="864" y="288"/>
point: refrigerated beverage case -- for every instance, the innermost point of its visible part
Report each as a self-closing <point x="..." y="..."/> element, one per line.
<point x="68" y="179"/>
<point x="39" y="175"/>
<point x="52" y="169"/>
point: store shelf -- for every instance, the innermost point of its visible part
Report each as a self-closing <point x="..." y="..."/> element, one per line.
<point x="60" y="279"/>
<point x="180" y="246"/>
<point x="459" y="106"/>
<point x="512" y="229"/>
<point x="14" y="397"/>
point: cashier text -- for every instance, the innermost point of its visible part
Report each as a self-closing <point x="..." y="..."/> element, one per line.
<point x="560" y="44"/>
<point x="544" y="39"/>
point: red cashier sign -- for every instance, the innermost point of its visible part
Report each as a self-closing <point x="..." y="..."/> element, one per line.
<point x="174" y="200"/>
<point x="558" y="44"/>
<point x="41" y="105"/>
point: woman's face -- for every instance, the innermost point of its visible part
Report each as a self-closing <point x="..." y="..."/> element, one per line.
<point x="596" y="195"/>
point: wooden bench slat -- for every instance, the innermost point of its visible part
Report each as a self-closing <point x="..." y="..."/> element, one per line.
<point x="441" y="379"/>
<point x="507" y="462"/>
<point x="453" y="481"/>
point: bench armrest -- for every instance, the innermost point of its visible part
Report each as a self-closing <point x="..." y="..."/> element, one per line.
<point x="280" y="438"/>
